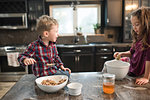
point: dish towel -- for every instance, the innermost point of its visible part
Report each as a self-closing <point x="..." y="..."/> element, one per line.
<point x="12" y="59"/>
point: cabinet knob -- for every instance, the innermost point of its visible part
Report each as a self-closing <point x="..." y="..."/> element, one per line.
<point x="107" y="20"/>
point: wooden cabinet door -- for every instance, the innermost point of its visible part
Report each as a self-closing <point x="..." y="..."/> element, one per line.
<point x="69" y="61"/>
<point x="101" y="59"/>
<point x="114" y="13"/>
<point x="86" y="63"/>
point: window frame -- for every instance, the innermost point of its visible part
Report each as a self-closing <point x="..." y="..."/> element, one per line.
<point x="75" y="14"/>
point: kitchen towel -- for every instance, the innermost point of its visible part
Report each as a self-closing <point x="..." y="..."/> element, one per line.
<point x="12" y="59"/>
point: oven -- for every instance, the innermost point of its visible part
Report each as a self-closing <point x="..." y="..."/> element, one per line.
<point x="7" y="71"/>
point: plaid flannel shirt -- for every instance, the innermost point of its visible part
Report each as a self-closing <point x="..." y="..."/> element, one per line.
<point x="42" y="54"/>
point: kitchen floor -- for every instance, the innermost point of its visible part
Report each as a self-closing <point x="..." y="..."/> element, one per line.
<point x="5" y="87"/>
<point x="7" y="81"/>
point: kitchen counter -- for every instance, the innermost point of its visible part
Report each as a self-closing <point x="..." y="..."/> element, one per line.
<point x="26" y="89"/>
<point x="21" y="48"/>
<point x="93" y="45"/>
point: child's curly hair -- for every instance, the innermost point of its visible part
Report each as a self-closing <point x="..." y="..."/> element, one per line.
<point x="45" y="23"/>
<point x="143" y="15"/>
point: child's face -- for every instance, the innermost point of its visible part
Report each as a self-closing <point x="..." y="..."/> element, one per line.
<point x="136" y="24"/>
<point x="53" y="33"/>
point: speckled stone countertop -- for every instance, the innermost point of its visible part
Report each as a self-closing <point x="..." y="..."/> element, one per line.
<point x="26" y="89"/>
<point x="93" y="45"/>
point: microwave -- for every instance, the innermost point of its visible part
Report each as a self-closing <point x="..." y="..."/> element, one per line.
<point x="13" y="21"/>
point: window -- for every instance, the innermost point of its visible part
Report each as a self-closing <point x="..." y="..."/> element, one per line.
<point x="82" y="18"/>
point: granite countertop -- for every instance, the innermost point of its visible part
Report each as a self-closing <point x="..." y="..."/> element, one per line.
<point x="93" y="45"/>
<point x="21" y="48"/>
<point x="26" y="89"/>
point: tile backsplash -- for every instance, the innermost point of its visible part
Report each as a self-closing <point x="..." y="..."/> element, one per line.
<point x="24" y="37"/>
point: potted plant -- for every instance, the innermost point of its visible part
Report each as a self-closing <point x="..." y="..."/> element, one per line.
<point x="97" y="27"/>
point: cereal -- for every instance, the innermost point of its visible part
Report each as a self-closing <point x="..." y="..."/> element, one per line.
<point x="51" y="82"/>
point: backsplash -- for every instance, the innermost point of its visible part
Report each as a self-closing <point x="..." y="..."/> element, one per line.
<point x="17" y="37"/>
<point x="24" y="37"/>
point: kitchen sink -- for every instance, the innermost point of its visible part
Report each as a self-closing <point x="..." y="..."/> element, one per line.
<point x="99" y="43"/>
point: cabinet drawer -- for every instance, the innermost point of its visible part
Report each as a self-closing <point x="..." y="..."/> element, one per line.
<point x="104" y="49"/>
<point x="121" y="49"/>
<point x="76" y="50"/>
<point x="101" y="59"/>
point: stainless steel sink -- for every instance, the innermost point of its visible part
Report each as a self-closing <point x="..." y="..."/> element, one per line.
<point x="99" y="43"/>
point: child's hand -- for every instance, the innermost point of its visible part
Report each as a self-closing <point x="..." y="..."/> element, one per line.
<point x="141" y="81"/>
<point x="29" y="61"/>
<point x="66" y="69"/>
<point x="117" y="55"/>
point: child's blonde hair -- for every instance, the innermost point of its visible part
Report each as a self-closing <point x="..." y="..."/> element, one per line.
<point x="45" y="23"/>
<point x="143" y="15"/>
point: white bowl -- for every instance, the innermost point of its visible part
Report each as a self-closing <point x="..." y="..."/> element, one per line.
<point x="74" y="88"/>
<point x="117" y="67"/>
<point x="50" y="88"/>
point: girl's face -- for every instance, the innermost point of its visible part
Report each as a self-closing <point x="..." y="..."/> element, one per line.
<point x="135" y="24"/>
<point x="53" y="33"/>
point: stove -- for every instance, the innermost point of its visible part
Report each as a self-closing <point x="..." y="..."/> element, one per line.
<point x="11" y="73"/>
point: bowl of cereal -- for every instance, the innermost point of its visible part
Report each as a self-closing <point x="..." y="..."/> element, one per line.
<point x="52" y="83"/>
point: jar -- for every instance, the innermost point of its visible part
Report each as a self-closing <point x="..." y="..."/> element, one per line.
<point x="108" y="83"/>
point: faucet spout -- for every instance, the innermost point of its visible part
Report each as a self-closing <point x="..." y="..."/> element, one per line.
<point x="76" y="40"/>
<point x="85" y="38"/>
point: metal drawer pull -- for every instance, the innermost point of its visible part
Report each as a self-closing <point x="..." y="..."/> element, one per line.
<point x="77" y="51"/>
<point x="104" y="49"/>
<point x="104" y="57"/>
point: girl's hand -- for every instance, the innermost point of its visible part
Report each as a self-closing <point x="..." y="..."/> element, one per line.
<point x="66" y="69"/>
<point x="141" y="81"/>
<point x="116" y="54"/>
<point x="29" y="61"/>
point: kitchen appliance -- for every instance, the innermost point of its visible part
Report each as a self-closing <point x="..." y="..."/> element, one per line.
<point x="13" y="21"/>
<point x="10" y="73"/>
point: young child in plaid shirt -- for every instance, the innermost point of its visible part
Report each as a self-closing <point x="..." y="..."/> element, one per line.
<point x="43" y="52"/>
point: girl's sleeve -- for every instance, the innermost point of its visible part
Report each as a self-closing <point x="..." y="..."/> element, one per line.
<point x="28" y="53"/>
<point x="132" y="50"/>
<point x="57" y="58"/>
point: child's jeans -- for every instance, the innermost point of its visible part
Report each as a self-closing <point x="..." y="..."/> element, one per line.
<point x="61" y="72"/>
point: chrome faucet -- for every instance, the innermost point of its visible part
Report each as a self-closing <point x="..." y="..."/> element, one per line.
<point x="85" y="38"/>
<point x="76" y="39"/>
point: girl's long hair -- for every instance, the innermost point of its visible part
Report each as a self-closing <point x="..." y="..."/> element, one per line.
<point x="143" y="15"/>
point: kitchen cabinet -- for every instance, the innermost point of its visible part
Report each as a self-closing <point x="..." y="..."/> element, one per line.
<point x="102" y="54"/>
<point x="145" y="3"/>
<point x="105" y="53"/>
<point x="13" y="6"/>
<point x="121" y="48"/>
<point x="78" y="59"/>
<point x="35" y="10"/>
<point x="114" y="13"/>
<point x="130" y="6"/>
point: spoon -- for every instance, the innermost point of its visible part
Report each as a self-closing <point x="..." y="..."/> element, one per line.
<point x="135" y="88"/>
<point x="51" y="64"/>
